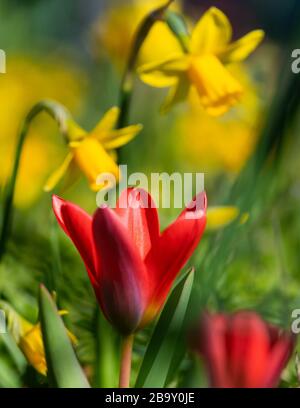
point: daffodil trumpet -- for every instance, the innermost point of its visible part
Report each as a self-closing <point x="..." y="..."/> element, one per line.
<point x="61" y="116"/>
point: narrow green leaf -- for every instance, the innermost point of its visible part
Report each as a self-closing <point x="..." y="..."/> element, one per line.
<point x="64" y="370"/>
<point x="161" y="351"/>
<point x="14" y="351"/>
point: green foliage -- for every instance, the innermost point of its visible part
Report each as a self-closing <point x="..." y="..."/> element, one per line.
<point x="64" y="370"/>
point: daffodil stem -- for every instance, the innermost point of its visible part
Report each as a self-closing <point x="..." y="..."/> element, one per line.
<point x="126" y="356"/>
<point x="127" y="82"/>
<point x="177" y="25"/>
<point x="60" y="114"/>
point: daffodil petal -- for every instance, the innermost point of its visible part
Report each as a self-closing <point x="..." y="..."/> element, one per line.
<point x="71" y="177"/>
<point x="164" y="73"/>
<point x="240" y="49"/>
<point x="217" y="88"/>
<point x="57" y="175"/>
<point x="177" y="94"/>
<point x="75" y="132"/>
<point x="31" y="344"/>
<point x="219" y="217"/>
<point x="32" y="347"/>
<point x="113" y="154"/>
<point x="107" y="123"/>
<point x="212" y="33"/>
<point x="119" y="137"/>
<point x="93" y="160"/>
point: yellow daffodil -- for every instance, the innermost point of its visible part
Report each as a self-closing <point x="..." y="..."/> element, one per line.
<point x="115" y="29"/>
<point x="29" y="338"/>
<point x="220" y="216"/>
<point x="93" y="153"/>
<point x="27" y="82"/>
<point x="204" y="65"/>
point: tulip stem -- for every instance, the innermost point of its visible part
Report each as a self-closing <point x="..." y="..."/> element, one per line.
<point x="126" y="86"/>
<point x="58" y="113"/>
<point x="126" y="355"/>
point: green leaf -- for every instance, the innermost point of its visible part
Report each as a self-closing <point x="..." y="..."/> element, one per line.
<point x="64" y="370"/>
<point x="14" y="351"/>
<point x="162" y="351"/>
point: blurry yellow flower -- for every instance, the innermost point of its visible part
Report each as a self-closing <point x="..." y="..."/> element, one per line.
<point x="210" y="49"/>
<point x="29" y="338"/>
<point x="218" y="217"/>
<point x="223" y="143"/>
<point x="221" y="216"/>
<point x="32" y="347"/>
<point x="31" y="344"/>
<point x="26" y="82"/>
<point x="93" y="152"/>
<point x="114" y="31"/>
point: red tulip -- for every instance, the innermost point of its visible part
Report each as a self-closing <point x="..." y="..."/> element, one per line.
<point x="131" y="264"/>
<point x="243" y="351"/>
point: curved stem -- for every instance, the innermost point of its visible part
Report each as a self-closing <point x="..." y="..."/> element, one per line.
<point x="128" y="77"/>
<point x="60" y="115"/>
<point x="125" y="368"/>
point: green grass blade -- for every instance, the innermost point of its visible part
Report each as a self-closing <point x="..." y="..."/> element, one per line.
<point x="64" y="370"/>
<point x="162" y="349"/>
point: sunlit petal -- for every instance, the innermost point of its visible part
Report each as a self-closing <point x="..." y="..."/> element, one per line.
<point x="93" y="160"/>
<point x="120" y="137"/>
<point x="240" y="49"/>
<point x="164" y="73"/>
<point x="107" y="123"/>
<point x="58" y="174"/>
<point x="212" y="33"/>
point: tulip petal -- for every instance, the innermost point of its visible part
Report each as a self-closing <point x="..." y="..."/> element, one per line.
<point x="248" y="335"/>
<point x="164" y="73"/>
<point x="213" y="348"/>
<point x="117" y="138"/>
<point x="123" y="284"/>
<point x="280" y="354"/>
<point x="58" y="174"/>
<point x="240" y="49"/>
<point x="175" y="246"/>
<point x="77" y="224"/>
<point x="138" y="213"/>
<point x="242" y="351"/>
<point x="212" y="33"/>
